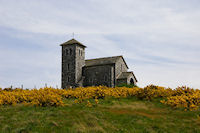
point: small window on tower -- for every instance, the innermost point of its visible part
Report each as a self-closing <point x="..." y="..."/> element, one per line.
<point x="81" y="52"/>
<point x="66" y="52"/>
<point x="70" y="51"/>
<point x="68" y="80"/>
<point x="68" y="66"/>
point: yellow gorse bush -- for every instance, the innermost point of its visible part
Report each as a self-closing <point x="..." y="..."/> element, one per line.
<point x="41" y="97"/>
<point x="181" y="97"/>
<point x="184" y="97"/>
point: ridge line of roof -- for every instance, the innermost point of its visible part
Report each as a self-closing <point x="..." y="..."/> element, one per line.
<point x="103" y="58"/>
<point x="117" y="58"/>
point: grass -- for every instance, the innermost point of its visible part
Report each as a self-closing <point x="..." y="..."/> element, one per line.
<point x="128" y="115"/>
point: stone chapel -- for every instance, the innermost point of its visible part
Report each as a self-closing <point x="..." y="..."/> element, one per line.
<point x="78" y="72"/>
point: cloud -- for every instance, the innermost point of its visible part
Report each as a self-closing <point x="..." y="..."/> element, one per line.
<point x="99" y="16"/>
<point x="159" y="39"/>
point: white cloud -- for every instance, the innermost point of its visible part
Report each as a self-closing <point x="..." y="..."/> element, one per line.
<point x="98" y="17"/>
<point x="156" y="37"/>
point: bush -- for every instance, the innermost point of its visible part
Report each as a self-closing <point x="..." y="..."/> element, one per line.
<point x="181" y="97"/>
<point x="127" y="85"/>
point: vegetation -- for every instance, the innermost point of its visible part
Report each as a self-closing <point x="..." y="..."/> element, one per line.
<point x="127" y="85"/>
<point x="100" y="109"/>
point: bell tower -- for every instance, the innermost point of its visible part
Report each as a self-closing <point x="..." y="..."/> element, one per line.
<point x="73" y="60"/>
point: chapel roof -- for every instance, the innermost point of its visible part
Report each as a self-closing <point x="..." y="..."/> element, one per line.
<point x="103" y="61"/>
<point x="125" y="75"/>
<point x="72" y="41"/>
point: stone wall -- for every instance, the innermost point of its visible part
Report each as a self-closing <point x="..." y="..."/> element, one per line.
<point x="99" y="75"/>
<point x="120" y="66"/>
<point x="73" y="60"/>
<point x="80" y="62"/>
<point x="126" y="80"/>
<point x="68" y="66"/>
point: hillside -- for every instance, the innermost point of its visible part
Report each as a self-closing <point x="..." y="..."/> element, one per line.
<point x="122" y="114"/>
<point x="112" y="115"/>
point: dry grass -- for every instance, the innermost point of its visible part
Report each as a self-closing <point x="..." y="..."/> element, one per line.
<point x="132" y="105"/>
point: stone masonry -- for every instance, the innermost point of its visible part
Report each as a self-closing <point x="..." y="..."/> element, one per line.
<point x="76" y="71"/>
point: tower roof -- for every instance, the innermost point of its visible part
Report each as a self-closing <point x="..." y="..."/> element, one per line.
<point x="71" y="42"/>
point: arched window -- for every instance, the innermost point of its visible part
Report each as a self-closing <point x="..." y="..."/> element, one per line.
<point x="81" y="52"/>
<point x="68" y="66"/>
<point x="68" y="80"/>
<point x="70" y="51"/>
<point x="131" y="81"/>
<point x="66" y="51"/>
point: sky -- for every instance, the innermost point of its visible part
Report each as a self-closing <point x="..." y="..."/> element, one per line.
<point x="159" y="39"/>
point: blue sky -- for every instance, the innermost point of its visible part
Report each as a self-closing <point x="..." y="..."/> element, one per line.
<point x="159" y="39"/>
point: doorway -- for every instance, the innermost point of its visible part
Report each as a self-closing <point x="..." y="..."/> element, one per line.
<point x="131" y="81"/>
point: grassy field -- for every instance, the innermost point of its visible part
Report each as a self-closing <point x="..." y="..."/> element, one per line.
<point x="125" y="115"/>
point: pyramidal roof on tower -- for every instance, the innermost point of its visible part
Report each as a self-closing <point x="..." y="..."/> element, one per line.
<point x="71" y="42"/>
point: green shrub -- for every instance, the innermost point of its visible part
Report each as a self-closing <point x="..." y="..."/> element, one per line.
<point x="127" y="85"/>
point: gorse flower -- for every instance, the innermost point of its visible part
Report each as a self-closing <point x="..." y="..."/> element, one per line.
<point x="181" y="97"/>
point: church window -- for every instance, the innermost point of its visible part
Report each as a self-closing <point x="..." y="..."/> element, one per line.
<point x="81" y="52"/>
<point x="70" y="51"/>
<point x="121" y="67"/>
<point x="68" y="66"/>
<point x="66" y="51"/>
<point x="68" y="80"/>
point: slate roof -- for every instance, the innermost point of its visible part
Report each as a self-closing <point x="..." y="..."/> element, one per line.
<point x="124" y="75"/>
<point x="72" y="41"/>
<point x="103" y="61"/>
